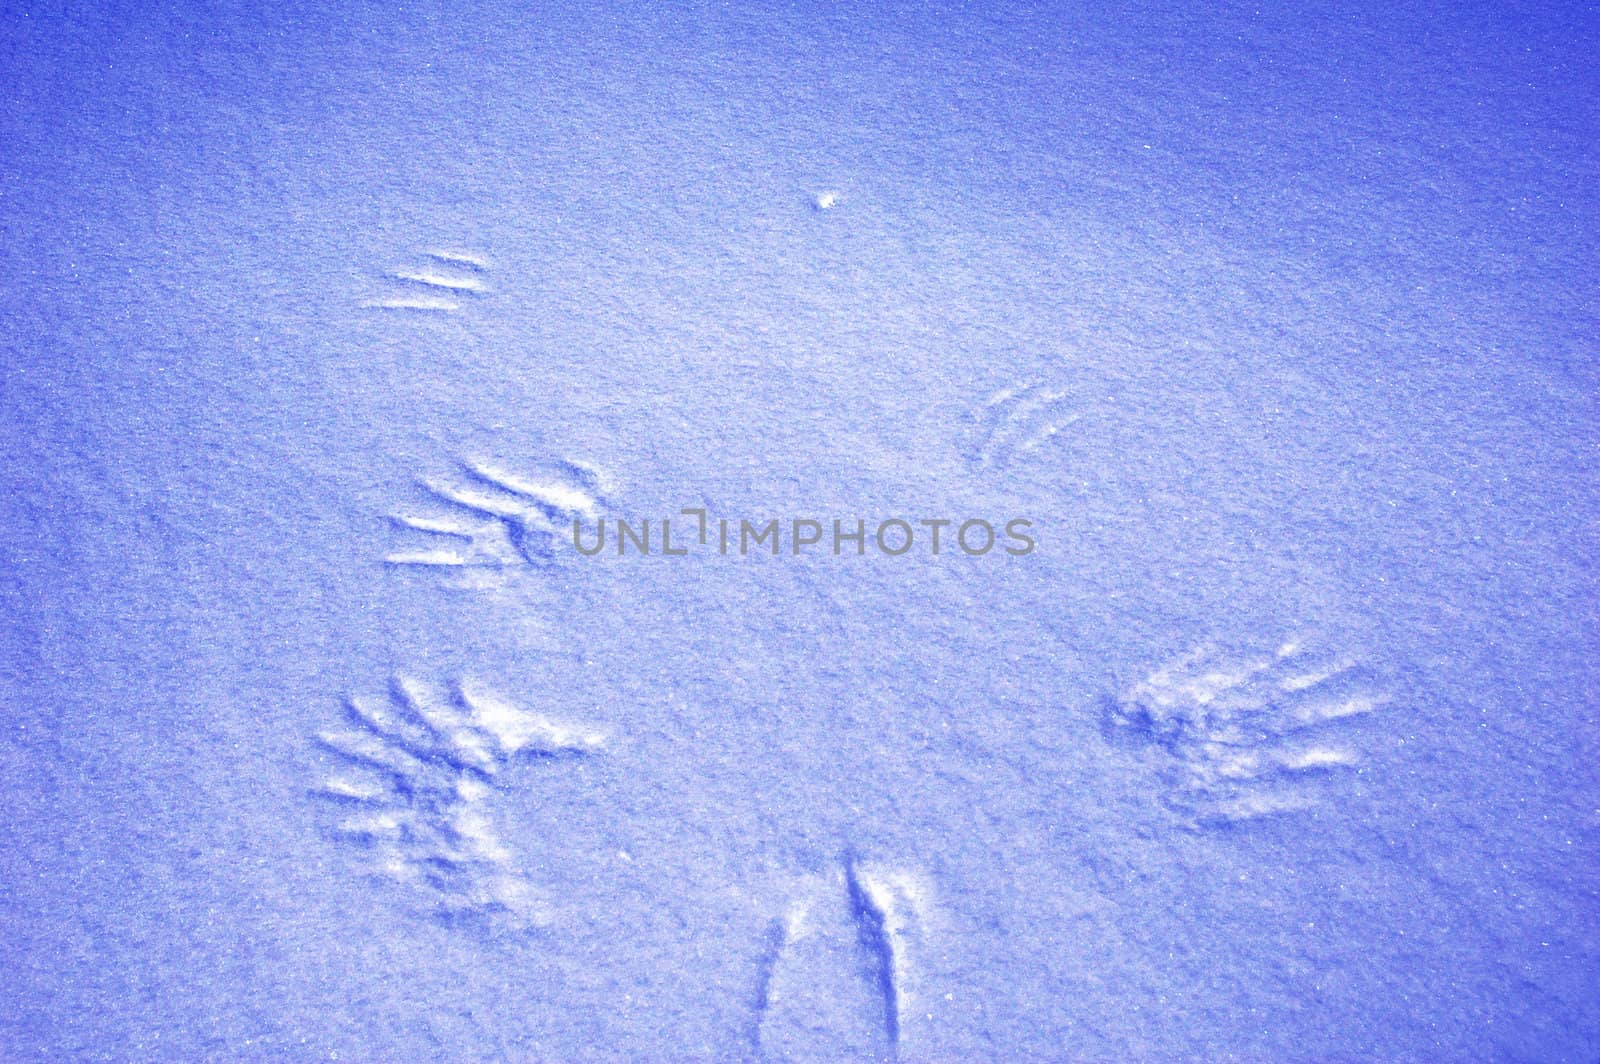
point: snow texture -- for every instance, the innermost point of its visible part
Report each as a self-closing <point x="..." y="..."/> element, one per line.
<point x="324" y="325"/>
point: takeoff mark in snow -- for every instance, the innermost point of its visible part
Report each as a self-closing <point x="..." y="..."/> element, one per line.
<point x="837" y="973"/>
<point x="488" y="517"/>
<point x="437" y="285"/>
<point x="420" y="771"/>
<point x="1015" y="422"/>
<point x="1248" y="736"/>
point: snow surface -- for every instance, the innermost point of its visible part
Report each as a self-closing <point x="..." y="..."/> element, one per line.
<point x="321" y="324"/>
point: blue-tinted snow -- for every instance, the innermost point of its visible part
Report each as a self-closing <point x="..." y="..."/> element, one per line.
<point x="1278" y="323"/>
